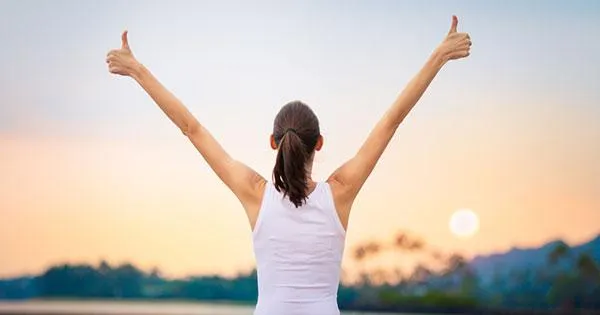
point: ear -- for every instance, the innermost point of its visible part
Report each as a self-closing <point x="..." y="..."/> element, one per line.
<point x="272" y="141"/>
<point x="319" y="144"/>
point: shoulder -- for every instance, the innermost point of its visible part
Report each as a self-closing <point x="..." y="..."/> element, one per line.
<point x="343" y="197"/>
<point x="253" y="203"/>
<point x="258" y="185"/>
<point x="342" y="192"/>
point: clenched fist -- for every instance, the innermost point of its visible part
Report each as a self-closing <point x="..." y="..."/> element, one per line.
<point x="456" y="45"/>
<point x="121" y="61"/>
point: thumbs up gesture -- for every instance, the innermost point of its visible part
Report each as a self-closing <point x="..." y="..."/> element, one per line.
<point x="121" y="61"/>
<point x="456" y="45"/>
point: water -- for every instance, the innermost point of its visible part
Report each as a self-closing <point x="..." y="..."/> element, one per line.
<point x="130" y="308"/>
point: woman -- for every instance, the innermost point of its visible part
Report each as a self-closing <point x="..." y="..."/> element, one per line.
<point x="298" y="224"/>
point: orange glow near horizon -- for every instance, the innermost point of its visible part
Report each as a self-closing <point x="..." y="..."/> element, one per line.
<point x="75" y="201"/>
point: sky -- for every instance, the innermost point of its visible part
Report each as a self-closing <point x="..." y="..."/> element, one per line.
<point x="91" y="169"/>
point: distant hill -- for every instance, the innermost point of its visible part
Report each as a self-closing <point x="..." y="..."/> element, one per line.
<point x="528" y="258"/>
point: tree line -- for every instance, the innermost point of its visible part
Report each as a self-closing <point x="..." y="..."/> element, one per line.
<point x="442" y="282"/>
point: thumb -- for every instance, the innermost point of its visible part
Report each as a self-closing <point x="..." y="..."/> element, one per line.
<point x="454" y="24"/>
<point x="124" y="41"/>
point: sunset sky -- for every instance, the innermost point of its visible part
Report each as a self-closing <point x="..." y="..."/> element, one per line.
<point x="91" y="169"/>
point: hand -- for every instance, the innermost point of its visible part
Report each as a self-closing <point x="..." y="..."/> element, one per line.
<point x="455" y="45"/>
<point x="121" y="61"/>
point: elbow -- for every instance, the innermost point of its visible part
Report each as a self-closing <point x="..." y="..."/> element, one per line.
<point x="392" y="122"/>
<point x="191" y="128"/>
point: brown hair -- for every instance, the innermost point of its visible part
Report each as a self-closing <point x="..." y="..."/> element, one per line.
<point x="296" y="132"/>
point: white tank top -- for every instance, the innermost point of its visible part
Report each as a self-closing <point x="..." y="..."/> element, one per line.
<point x="298" y="254"/>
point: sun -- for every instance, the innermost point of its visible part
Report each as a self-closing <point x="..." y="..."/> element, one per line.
<point x="464" y="223"/>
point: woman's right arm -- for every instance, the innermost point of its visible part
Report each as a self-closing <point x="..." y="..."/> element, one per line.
<point x="347" y="180"/>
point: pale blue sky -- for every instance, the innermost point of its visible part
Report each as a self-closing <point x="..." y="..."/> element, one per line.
<point x="246" y="59"/>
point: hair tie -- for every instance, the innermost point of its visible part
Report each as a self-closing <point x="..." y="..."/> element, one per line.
<point x="290" y="130"/>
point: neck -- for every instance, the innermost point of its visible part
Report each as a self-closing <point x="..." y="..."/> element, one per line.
<point x="309" y="166"/>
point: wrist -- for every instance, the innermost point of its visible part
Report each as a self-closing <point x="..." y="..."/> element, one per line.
<point x="137" y="71"/>
<point x="439" y="57"/>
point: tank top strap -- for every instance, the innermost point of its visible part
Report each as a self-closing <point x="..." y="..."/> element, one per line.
<point x="265" y="205"/>
<point x="327" y="198"/>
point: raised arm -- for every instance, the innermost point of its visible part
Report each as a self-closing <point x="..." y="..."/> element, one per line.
<point x="245" y="183"/>
<point x="348" y="179"/>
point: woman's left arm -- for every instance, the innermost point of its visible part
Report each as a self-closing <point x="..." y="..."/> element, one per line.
<point x="245" y="183"/>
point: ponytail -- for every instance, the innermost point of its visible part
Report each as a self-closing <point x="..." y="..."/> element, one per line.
<point x="290" y="168"/>
<point x="295" y="132"/>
